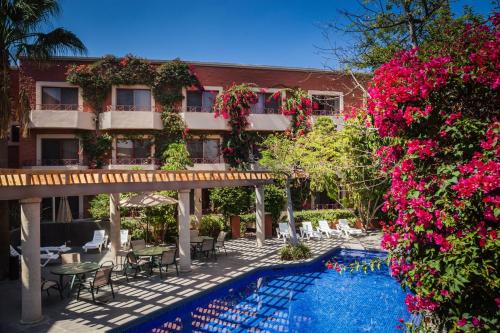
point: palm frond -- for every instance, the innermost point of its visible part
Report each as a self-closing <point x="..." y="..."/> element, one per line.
<point x="57" y="42"/>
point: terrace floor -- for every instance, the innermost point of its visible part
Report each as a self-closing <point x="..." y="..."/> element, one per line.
<point x="144" y="295"/>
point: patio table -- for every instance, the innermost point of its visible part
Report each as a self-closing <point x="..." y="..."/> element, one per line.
<point x="74" y="269"/>
<point x="197" y="241"/>
<point x="153" y="251"/>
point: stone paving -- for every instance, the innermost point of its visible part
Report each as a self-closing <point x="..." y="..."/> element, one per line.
<point x="146" y="294"/>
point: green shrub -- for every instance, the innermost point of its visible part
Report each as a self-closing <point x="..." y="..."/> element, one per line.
<point x="295" y="252"/>
<point x="99" y="206"/>
<point x="211" y="225"/>
<point x="231" y="201"/>
<point x="135" y="228"/>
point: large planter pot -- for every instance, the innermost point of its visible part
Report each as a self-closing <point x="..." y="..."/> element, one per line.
<point x="268" y="223"/>
<point x="235" y="222"/>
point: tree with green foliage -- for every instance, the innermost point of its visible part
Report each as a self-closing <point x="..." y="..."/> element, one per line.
<point x="278" y="156"/>
<point x="381" y="28"/>
<point x="231" y="200"/>
<point x="176" y="157"/>
<point x="22" y="34"/>
<point x="344" y="164"/>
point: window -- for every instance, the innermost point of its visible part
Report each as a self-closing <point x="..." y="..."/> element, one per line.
<point x="60" y="152"/>
<point x="56" y="98"/>
<point x="133" y="100"/>
<point x="136" y="151"/>
<point x="327" y="105"/>
<point x="201" y="101"/>
<point x="204" y="151"/>
<point x="266" y="104"/>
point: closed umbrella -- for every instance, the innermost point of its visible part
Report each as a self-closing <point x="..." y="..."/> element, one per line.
<point x="147" y="199"/>
<point x="64" y="213"/>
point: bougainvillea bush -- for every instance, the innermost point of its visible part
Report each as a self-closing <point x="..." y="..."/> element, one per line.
<point x="299" y="107"/>
<point x="234" y="105"/>
<point x="439" y="107"/>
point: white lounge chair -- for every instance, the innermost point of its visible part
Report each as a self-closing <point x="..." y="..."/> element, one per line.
<point x="46" y="256"/>
<point x="124" y="240"/>
<point x="57" y="249"/>
<point x="283" y="231"/>
<point x="309" y="231"/>
<point x="325" y="228"/>
<point x="97" y="242"/>
<point x="344" y="227"/>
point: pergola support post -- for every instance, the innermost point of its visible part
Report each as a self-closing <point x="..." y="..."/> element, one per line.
<point x="259" y="215"/>
<point x="184" y="242"/>
<point x="31" y="297"/>
<point x="114" y="223"/>
<point x="198" y="205"/>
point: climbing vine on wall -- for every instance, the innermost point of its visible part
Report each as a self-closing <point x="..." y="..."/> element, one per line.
<point x="166" y="82"/>
<point x="299" y="107"/>
<point x="234" y="105"/>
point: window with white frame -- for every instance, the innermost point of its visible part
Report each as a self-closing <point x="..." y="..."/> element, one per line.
<point x="135" y="151"/>
<point x="200" y="101"/>
<point x="327" y="105"/>
<point x="204" y="150"/>
<point x="267" y="103"/>
<point x="59" y="98"/>
<point x="133" y="99"/>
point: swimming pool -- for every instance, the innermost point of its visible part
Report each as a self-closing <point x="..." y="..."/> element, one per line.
<point x="293" y="298"/>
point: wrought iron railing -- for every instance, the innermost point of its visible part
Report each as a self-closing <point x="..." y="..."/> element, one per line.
<point x="198" y="109"/>
<point x="132" y="108"/>
<point x="326" y="112"/>
<point x="53" y="162"/>
<point x="205" y="160"/>
<point x="134" y="161"/>
<point x="58" y="107"/>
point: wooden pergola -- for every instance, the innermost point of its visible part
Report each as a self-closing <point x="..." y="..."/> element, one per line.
<point x="30" y="186"/>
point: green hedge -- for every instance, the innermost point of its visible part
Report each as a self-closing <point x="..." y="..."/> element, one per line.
<point x="295" y="252"/>
<point x="305" y="215"/>
<point x="211" y="225"/>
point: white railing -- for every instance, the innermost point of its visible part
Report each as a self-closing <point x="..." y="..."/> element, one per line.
<point x="58" y="107"/>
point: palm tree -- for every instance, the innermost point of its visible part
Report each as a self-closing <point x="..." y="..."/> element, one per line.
<point x="22" y="34"/>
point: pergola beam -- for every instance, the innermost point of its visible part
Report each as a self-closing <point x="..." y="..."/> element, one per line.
<point x="19" y="184"/>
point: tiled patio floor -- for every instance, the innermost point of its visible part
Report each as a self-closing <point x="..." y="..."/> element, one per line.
<point x="144" y="295"/>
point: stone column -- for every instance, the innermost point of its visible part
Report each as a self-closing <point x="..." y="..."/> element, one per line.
<point x="259" y="215"/>
<point x="31" y="301"/>
<point x="198" y="205"/>
<point x="184" y="244"/>
<point x="114" y="223"/>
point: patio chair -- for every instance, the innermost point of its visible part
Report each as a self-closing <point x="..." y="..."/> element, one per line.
<point x="168" y="258"/>
<point x="101" y="279"/>
<point x="325" y="228"/>
<point x="193" y="233"/>
<point x="138" y="265"/>
<point x="283" y="231"/>
<point x="310" y="232"/>
<point x="344" y="227"/>
<point x="219" y="244"/>
<point x="69" y="258"/>
<point x="98" y="241"/>
<point x="138" y="244"/>
<point x="50" y="284"/>
<point x="207" y="246"/>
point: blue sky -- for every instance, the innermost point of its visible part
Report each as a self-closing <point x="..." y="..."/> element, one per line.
<point x="272" y="32"/>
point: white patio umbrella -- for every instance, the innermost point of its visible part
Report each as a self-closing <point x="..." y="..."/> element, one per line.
<point x="64" y="212"/>
<point x="147" y="199"/>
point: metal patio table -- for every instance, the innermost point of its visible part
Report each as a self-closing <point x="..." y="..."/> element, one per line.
<point x="74" y="269"/>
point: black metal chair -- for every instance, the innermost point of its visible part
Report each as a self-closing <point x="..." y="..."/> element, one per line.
<point x="101" y="279"/>
<point x="136" y="264"/>
<point x="50" y="284"/>
<point x="168" y="258"/>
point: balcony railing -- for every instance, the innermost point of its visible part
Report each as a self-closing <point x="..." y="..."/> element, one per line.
<point x="58" y="107"/>
<point x="53" y="162"/>
<point x="198" y="109"/>
<point x="132" y="108"/>
<point x="205" y="160"/>
<point x="326" y="112"/>
<point x="134" y="161"/>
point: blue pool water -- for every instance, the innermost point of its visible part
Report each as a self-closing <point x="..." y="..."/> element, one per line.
<point x="301" y="298"/>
